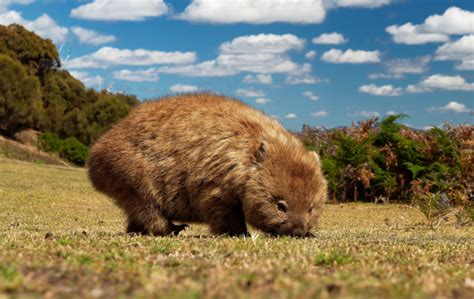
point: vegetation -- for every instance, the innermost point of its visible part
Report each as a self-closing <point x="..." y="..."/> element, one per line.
<point x="384" y="160"/>
<point x="70" y="148"/>
<point x="67" y="241"/>
<point x="36" y="93"/>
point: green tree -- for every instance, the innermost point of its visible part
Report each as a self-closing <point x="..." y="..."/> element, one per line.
<point x="38" y="55"/>
<point x="20" y="97"/>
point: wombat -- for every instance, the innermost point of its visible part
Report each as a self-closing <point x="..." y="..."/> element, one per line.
<point x="206" y="158"/>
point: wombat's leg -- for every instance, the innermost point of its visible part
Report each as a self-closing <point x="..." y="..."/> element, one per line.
<point x="229" y="222"/>
<point x="135" y="227"/>
<point x="176" y="229"/>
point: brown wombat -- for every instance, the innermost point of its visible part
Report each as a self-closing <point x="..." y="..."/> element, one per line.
<point x="205" y="158"/>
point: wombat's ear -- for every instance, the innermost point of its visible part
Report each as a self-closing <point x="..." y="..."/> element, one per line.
<point x="260" y="154"/>
<point x="315" y="155"/>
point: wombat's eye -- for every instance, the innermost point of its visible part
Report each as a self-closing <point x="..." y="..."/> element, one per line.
<point x="310" y="209"/>
<point x="282" y="206"/>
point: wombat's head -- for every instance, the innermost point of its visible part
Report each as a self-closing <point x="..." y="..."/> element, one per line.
<point x="286" y="194"/>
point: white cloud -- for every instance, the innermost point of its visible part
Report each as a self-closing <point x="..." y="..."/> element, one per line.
<point x="453" y="21"/>
<point x="262" y="100"/>
<point x="88" y="80"/>
<point x="208" y="68"/>
<point x="319" y="113"/>
<point x="108" y="56"/>
<point x="148" y="75"/>
<point x="410" y="34"/>
<point x="384" y="90"/>
<point x="120" y="10"/>
<point x="310" y="54"/>
<point x="375" y="76"/>
<point x="447" y="82"/>
<point x="302" y="79"/>
<point x="259" y="78"/>
<point x="254" y="11"/>
<point x="310" y="95"/>
<point x="435" y="28"/>
<point x="92" y="37"/>
<point x="441" y="82"/>
<point x="351" y="56"/>
<point x="262" y="54"/>
<point x="290" y="116"/>
<point x="460" y="50"/>
<point x="4" y="4"/>
<point x="333" y="38"/>
<point x="365" y="113"/>
<point x="416" y="65"/>
<point x="391" y="112"/>
<point x="357" y="3"/>
<point x="397" y="68"/>
<point x="451" y="107"/>
<point x="183" y="88"/>
<point x="249" y="93"/>
<point x="44" y="26"/>
<point x="266" y="43"/>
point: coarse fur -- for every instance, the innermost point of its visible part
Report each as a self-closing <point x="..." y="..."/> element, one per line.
<point x="206" y="158"/>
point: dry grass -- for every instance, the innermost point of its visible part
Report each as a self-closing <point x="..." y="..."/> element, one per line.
<point x="59" y="238"/>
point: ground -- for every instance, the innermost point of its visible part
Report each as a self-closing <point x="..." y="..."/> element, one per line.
<point x="60" y="238"/>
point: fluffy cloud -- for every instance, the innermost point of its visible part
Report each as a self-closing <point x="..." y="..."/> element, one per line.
<point x="351" y="56"/>
<point x="319" y="114"/>
<point x="365" y="113"/>
<point x="259" y="78"/>
<point x="333" y="38"/>
<point x="183" y="88"/>
<point x="120" y="10"/>
<point x="44" y="26"/>
<point x="435" y="28"/>
<point x="262" y="54"/>
<point x="302" y="79"/>
<point x="4" y="4"/>
<point x="267" y="43"/>
<point x="148" y="75"/>
<point x="310" y="54"/>
<point x="453" y="21"/>
<point x="208" y="68"/>
<point x="249" y="93"/>
<point x="255" y="11"/>
<point x="384" y="90"/>
<point x="461" y="50"/>
<point x="290" y="116"/>
<point x="357" y="3"/>
<point x="397" y="68"/>
<point x="92" y="37"/>
<point x="442" y="82"/>
<point x="310" y="95"/>
<point x="262" y="100"/>
<point x="88" y="80"/>
<point x="447" y="82"/>
<point x="451" y="107"/>
<point x="410" y="34"/>
<point x="108" y="56"/>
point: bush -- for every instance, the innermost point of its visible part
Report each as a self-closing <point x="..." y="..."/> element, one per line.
<point x="74" y="151"/>
<point x="49" y="142"/>
<point x="70" y="149"/>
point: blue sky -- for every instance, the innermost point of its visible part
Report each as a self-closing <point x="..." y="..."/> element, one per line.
<point x="321" y="62"/>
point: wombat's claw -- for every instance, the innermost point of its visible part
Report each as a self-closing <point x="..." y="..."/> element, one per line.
<point x="310" y="235"/>
<point x="178" y="228"/>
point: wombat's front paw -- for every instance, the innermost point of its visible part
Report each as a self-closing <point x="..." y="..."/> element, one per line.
<point x="176" y="229"/>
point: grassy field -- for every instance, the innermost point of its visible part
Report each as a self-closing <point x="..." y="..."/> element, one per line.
<point x="60" y="238"/>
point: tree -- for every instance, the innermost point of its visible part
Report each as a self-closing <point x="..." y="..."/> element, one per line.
<point x="20" y="97"/>
<point x="38" y="55"/>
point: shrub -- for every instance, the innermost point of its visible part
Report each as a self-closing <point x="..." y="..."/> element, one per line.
<point x="49" y="142"/>
<point x="74" y="151"/>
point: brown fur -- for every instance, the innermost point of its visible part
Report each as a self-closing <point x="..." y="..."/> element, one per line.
<point x="205" y="158"/>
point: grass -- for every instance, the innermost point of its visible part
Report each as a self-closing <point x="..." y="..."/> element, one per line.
<point x="60" y="238"/>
